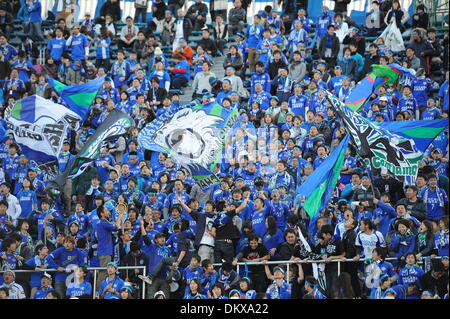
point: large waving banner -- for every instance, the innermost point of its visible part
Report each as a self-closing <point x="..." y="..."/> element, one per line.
<point x="116" y="124"/>
<point x="80" y="97"/>
<point x="39" y="127"/>
<point x="193" y="136"/>
<point x="399" y="149"/>
<point x="380" y="75"/>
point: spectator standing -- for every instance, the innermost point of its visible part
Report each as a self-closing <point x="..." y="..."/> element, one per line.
<point x="237" y="18"/>
<point x="34" y="10"/>
<point x="141" y="7"/>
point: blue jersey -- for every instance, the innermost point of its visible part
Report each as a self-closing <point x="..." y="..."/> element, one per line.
<point x="443" y="93"/>
<point x="102" y="51"/>
<point x="279" y="292"/>
<point x="79" y="45"/>
<point x="104" y="171"/>
<point x="62" y="257"/>
<point x="421" y="87"/>
<point x="254" y="34"/>
<point x="272" y="241"/>
<point x="82" y="219"/>
<point x="249" y="294"/>
<point x="76" y="290"/>
<point x="441" y="242"/>
<point x="401" y="245"/>
<point x="410" y="275"/>
<point x="117" y="283"/>
<point x="28" y="201"/>
<point x="64" y="160"/>
<point x="430" y="113"/>
<point x="435" y="200"/>
<point x="242" y="48"/>
<point x="9" y="52"/>
<point x="322" y="24"/>
<point x="112" y="94"/>
<point x="385" y="213"/>
<point x="56" y="47"/>
<point x="42" y="293"/>
<point x="19" y="176"/>
<point x="155" y="253"/>
<point x="406" y="103"/>
<point x="297" y="104"/>
<point x="104" y="234"/>
<point x="34" y="11"/>
<point x="263" y="98"/>
<point x="335" y="84"/>
<point x="259" y="219"/>
<point x="10" y="164"/>
<point x="189" y="274"/>
<point x="281" y="212"/>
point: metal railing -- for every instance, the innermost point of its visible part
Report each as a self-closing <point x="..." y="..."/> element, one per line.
<point x="94" y="269"/>
<point x="309" y="261"/>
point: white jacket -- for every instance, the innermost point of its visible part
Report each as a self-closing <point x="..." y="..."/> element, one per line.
<point x="15" y="290"/>
<point x="14" y="209"/>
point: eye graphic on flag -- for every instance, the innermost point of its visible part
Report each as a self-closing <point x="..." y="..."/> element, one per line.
<point x="194" y="137"/>
<point x="189" y="135"/>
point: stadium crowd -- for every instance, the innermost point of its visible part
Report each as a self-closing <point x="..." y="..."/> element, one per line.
<point x="135" y="207"/>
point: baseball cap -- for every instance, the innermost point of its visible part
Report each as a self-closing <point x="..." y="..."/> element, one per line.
<point x="383" y="98"/>
<point x="384" y="170"/>
<point x="241" y="34"/>
<point x="111" y="263"/>
<point x="279" y="269"/>
<point x="274" y="97"/>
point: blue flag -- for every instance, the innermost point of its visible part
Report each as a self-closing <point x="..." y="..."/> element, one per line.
<point x="78" y="98"/>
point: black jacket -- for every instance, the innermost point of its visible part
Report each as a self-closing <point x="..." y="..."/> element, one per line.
<point x="349" y="240"/>
<point x="420" y="20"/>
<point x="334" y="49"/>
<point x="392" y="186"/>
<point x="161" y="8"/>
<point x="160" y="93"/>
<point x="200" y="219"/>
<point x="237" y="64"/>
<point x="368" y="195"/>
<point x="422" y="46"/>
<point x="274" y="66"/>
<point x="427" y="249"/>
<point x="130" y="260"/>
<point x="5" y="68"/>
<point x="197" y="9"/>
<point x="418" y="209"/>
<point x="368" y="62"/>
<point x="208" y="44"/>
<point x="286" y="251"/>
<point x="359" y="42"/>
<point x="112" y="9"/>
<point x="435" y="285"/>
